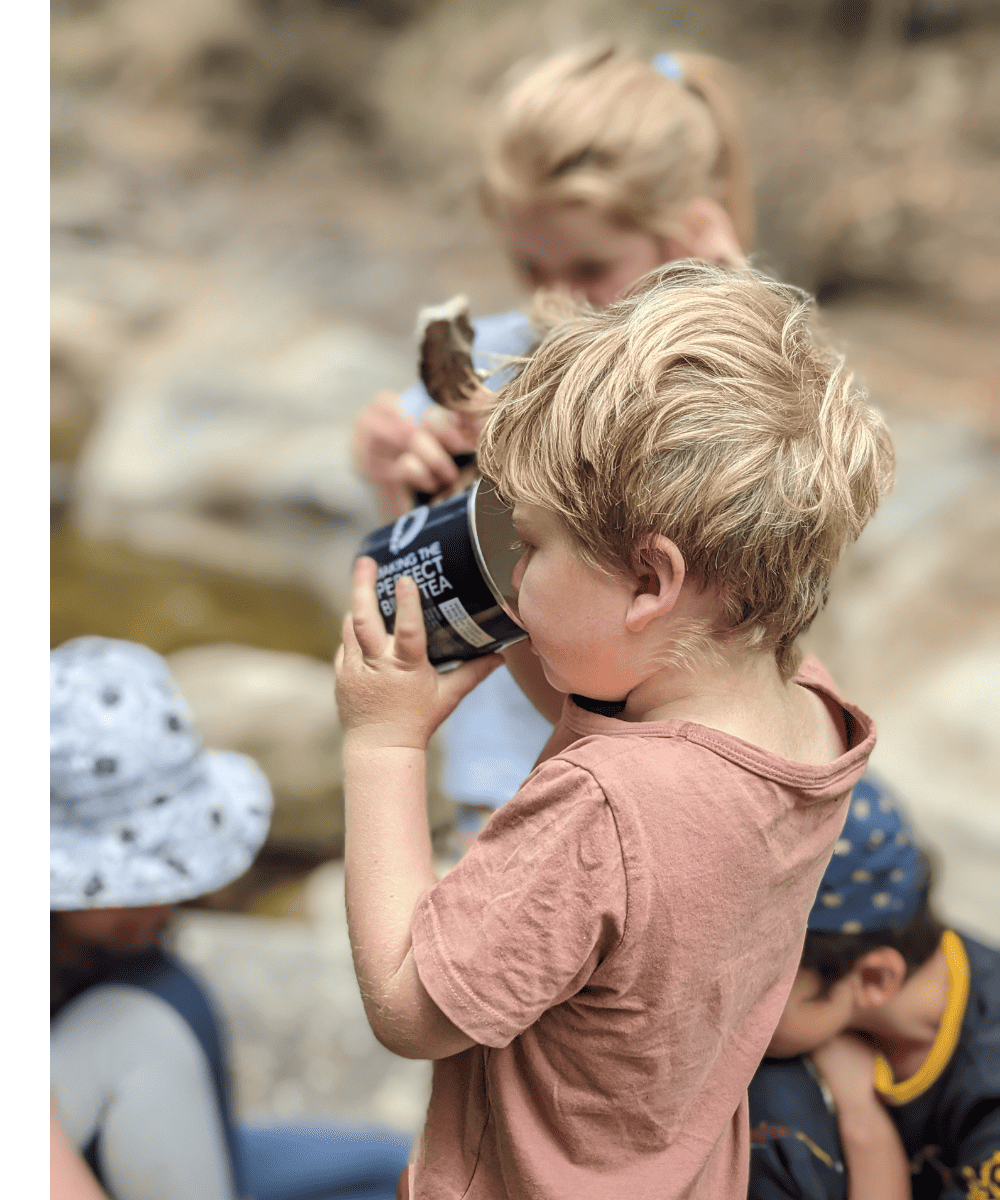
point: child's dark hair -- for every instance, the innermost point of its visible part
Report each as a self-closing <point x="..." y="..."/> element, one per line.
<point x="833" y="955"/>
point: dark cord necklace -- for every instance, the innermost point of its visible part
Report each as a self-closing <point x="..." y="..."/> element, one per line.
<point x="605" y="708"/>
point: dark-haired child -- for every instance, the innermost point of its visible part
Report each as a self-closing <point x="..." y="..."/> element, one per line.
<point x="884" y="1080"/>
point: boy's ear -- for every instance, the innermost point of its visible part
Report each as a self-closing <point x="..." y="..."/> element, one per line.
<point x="877" y="977"/>
<point x="658" y="567"/>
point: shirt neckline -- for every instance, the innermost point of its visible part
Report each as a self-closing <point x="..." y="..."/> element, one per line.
<point x="947" y="1035"/>
<point x="811" y="674"/>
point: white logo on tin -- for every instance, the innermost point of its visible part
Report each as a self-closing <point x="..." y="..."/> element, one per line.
<point x="407" y="528"/>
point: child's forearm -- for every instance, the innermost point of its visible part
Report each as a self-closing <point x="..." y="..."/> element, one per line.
<point x="391" y="700"/>
<point x="877" y="1166"/>
<point x="387" y="852"/>
<point x="388" y="869"/>
<point x="526" y="668"/>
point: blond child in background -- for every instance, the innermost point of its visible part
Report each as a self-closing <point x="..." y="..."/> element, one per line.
<point x="599" y="976"/>
<point x="601" y="165"/>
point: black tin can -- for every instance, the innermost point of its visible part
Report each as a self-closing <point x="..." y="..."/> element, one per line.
<point x="461" y="553"/>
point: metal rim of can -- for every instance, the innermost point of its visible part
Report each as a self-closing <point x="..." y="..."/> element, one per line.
<point x="481" y="561"/>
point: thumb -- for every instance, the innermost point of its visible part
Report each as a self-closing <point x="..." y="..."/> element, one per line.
<point x="458" y="683"/>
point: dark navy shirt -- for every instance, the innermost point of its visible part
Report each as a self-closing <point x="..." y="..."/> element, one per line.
<point x="950" y="1129"/>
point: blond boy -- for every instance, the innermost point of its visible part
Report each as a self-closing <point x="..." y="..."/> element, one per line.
<point x="600" y="975"/>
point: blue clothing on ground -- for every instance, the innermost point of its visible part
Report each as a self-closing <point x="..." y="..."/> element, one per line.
<point x="494" y="736"/>
<point x="329" y="1162"/>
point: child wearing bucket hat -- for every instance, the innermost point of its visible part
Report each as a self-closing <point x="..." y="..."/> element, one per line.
<point x="598" y="978"/>
<point x="913" y="1109"/>
<point x="142" y="818"/>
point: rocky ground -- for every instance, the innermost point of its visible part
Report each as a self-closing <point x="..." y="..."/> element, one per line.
<point x="250" y="202"/>
<point x="301" y="1042"/>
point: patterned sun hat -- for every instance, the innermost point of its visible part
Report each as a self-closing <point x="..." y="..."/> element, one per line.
<point x="874" y="877"/>
<point x="140" y="813"/>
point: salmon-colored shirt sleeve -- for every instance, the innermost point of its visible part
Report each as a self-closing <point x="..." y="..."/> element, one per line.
<point x="524" y="919"/>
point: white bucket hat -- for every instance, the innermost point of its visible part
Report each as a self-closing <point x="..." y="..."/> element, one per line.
<point x="140" y="813"/>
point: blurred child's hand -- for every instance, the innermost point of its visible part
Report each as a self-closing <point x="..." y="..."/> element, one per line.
<point x="847" y="1065"/>
<point x="382" y="433"/>
<point x="876" y="1159"/>
<point x="426" y="464"/>
<point x="388" y="694"/>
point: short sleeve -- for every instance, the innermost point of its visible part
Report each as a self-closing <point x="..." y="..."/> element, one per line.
<point x="530" y="912"/>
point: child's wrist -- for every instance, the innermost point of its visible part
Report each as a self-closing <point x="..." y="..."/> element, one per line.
<point x="371" y="739"/>
<point x="864" y="1121"/>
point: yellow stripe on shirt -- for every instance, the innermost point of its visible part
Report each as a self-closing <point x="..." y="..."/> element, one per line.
<point x="947" y="1036"/>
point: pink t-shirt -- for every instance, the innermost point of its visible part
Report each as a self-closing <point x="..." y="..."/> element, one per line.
<point x="620" y="941"/>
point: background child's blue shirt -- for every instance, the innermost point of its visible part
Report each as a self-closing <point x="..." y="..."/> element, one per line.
<point x="493" y="737"/>
<point x="951" y="1131"/>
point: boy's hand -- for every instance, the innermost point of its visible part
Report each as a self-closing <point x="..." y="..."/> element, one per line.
<point x="426" y="463"/>
<point x="382" y="433"/>
<point x="847" y="1065"/>
<point x="388" y="693"/>
<point x="877" y="1164"/>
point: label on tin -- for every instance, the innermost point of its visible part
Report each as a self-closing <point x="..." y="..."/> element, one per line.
<point x="434" y="546"/>
<point x="458" y="618"/>
<point x="407" y="528"/>
<point x="423" y="566"/>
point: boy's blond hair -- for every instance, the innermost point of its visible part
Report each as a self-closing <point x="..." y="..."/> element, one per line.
<point x="702" y="408"/>
<point x="600" y="125"/>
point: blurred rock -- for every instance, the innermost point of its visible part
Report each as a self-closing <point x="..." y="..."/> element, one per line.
<point x="910" y="629"/>
<point x="280" y="709"/>
<point x="888" y="178"/>
<point x="191" y="76"/>
<point x="302" y="1046"/>
<point x="229" y="445"/>
<point x="85" y="346"/>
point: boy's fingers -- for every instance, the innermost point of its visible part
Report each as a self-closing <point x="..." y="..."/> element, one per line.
<point x="412" y="471"/>
<point x="347" y="638"/>
<point x="452" y="430"/>
<point x="429" y="450"/>
<point x="367" y="624"/>
<point x="410" y="634"/>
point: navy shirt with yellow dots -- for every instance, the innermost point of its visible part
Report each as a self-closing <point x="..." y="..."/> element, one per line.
<point x="948" y="1113"/>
